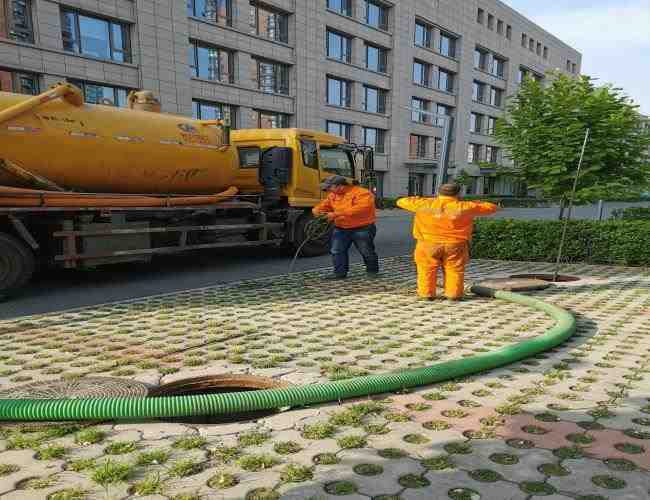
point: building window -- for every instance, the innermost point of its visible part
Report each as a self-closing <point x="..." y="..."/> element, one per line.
<point x="376" y="15"/>
<point x="476" y="123"/>
<point x="376" y="58"/>
<point x="107" y="95"/>
<point x="441" y="112"/>
<point x="19" y="82"/>
<point x="498" y="67"/>
<point x="496" y="97"/>
<point x="418" y="146"/>
<point x="16" y="20"/>
<point x="211" y="63"/>
<point x="216" y="11"/>
<point x="491" y="125"/>
<point x="447" y="44"/>
<point x="491" y="154"/>
<point x="423" y="34"/>
<point x="481" y="59"/>
<point x="509" y="32"/>
<point x="545" y="52"/>
<point x="272" y="77"/>
<point x="420" y="110"/>
<point x="269" y="23"/>
<point x="524" y="40"/>
<point x="374" y="99"/>
<point x="478" y="91"/>
<point x="422" y="73"/>
<point x="490" y="23"/>
<point x="473" y="153"/>
<point x="531" y="45"/>
<point x="271" y="119"/>
<point x="95" y="37"/>
<point x="341" y="6"/>
<point x="480" y="16"/>
<point x="339" y="92"/>
<point x="539" y="49"/>
<point x="526" y="73"/>
<point x="574" y="68"/>
<point x="445" y="80"/>
<point x="500" y="27"/>
<point x="204" y="110"/>
<point x="416" y="184"/>
<point x="341" y="129"/>
<point x="375" y="138"/>
<point x="339" y="46"/>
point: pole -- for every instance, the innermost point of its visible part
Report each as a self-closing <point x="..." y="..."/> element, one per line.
<point x="601" y="209"/>
<point x="568" y="218"/>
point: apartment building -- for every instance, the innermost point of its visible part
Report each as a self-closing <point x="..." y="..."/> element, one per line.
<point x="389" y="74"/>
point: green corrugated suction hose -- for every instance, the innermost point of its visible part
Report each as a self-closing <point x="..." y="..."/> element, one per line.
<point x="215" y="404"/>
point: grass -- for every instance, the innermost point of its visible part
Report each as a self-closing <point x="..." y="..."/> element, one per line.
<point x="6" y="469"/>
<point x="81" y="464"/>
<point x="262" y="494"/>
<point x="253" y="438"/>
<point x="111" y="472"/>
<point x="52" y="452"/>
<point x="223" y="481"/>
<point x="153" y="457"/>
<point x="413" y="481"/>
<point x="286" y="447"/>
<point x="320" y="430"/>
<point x="325" y="459"/>
<point x="225" y="454"/>
<point x="68" y="494"/>
<point x="121" y="448"/>
<point x="255" y="463"/>
<point x="89" y="436"/>
<point x="341" y="488"/>
<point x="189" y="442"/>
<point x="350" y="442"/>
<point x="184" y="468"/>
<point x="150" y="485"/>
<point x="368" y="469"/>
<point x="294" y="473"/>
<point x="441" y="462"/>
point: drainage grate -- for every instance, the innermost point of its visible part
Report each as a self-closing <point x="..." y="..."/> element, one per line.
<point x="217" y="384"/>
<point x="81" y="388"/>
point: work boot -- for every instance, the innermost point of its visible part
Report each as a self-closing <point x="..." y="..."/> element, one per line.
<point x="426" y="299"/>
<point x="455" y="299"/>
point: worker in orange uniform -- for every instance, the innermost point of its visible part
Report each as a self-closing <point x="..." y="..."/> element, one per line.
<point x="443" y="228"/>
<point x="352" y="211"/>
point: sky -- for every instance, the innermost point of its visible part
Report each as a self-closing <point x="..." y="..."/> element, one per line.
<point x="612" y="35"/>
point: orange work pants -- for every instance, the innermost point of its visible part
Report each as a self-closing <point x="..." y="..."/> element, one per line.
<point x="452" y="257"/>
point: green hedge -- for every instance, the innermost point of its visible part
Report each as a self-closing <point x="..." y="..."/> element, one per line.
<point x="613" y="242"/>
<point x="633" y="213"/>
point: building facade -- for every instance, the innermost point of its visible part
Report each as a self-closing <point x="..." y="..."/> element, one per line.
<point x="376" y="72"/>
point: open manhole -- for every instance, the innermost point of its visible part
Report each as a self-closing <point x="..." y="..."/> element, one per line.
<point x="514" y="284"/>
<point x="218" y="384"/>
<point x="561" y="278"/>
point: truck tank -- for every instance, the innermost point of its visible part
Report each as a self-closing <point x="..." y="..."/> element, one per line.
<point x="104" y="149"/>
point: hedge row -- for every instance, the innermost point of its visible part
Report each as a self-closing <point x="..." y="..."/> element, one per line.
<point x="633" y="213"/>
<point x="625" y="243"/>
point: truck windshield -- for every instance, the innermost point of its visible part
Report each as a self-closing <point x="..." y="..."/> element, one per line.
<point x="336" y="161"/>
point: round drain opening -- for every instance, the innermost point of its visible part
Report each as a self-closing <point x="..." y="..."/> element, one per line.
<point x="217" y="384"/>
<point x="547" y="277"/>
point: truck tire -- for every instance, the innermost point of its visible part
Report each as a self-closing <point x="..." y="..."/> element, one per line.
<point x="312" y="248"/>
<point x="17" y="265"/>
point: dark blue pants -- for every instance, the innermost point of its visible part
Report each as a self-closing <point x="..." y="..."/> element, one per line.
<point x="364" y="241"/>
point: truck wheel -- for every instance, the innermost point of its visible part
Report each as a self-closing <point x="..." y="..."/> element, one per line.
<point x="17" y="264"/>
<point x="312" y="248"/>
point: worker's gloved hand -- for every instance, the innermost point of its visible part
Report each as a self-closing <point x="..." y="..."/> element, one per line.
<point x="331" y="217"/>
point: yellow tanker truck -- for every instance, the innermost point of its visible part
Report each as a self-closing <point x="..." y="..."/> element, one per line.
<point x="86" y="185"/>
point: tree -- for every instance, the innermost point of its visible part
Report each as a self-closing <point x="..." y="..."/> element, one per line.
<point x="544" y="130"/>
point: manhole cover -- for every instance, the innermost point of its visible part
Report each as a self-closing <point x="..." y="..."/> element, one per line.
<point x="515" y="284"/>
<point x="217" y="384"/>
<point x="82" y="388"/>
<point x="547" y="277"/>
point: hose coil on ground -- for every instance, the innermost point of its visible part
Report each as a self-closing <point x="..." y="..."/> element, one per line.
<point x="239" y="402"/>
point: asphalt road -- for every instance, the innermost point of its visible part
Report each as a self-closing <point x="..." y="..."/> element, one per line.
<point x="61" y="289"/>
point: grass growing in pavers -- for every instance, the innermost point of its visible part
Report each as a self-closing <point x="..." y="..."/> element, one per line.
<point x="295" y="327"/>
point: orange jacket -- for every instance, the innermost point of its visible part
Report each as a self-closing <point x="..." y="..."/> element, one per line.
<point x="444" y="219"/>
<point x="354" y="207"/>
